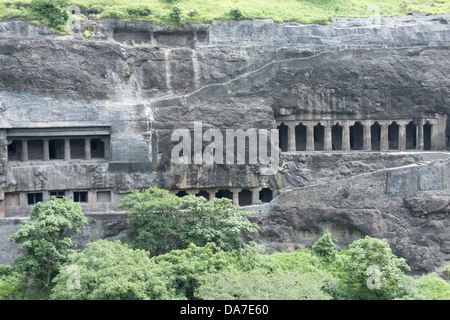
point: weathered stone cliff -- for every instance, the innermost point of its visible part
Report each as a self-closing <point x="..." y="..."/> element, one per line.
<point x="131" y="84"/>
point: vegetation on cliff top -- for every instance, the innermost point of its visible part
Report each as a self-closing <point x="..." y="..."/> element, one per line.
<point x="202" y="11"/>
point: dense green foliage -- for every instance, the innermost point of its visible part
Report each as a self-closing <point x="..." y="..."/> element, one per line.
<point x="324" y="247"/>
<point x="45" y="238"/>
<point x="374" y="272"/>
<point x="52" y="13"/>
<point x="111" y="271"/>
<point x="207" y="268"/>
<point x="155" y="220"/>
<point x="160" y="221"/>
<point x="260" y="284"/>
<point x="202" y="11"/>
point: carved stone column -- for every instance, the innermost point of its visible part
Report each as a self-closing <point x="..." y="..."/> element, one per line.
<point x="401" y="136"/>
<point x="367" y="142"/>
<point x="236" y="196"/>
<point x="309" y="137"/>
<point x="384" y="142"/>
<point x="328" y="138"/>
<point x="87" y="149"/>
<point x="46" y="150"/>
<point x="67" y="149"/>
<point x="212" y="194"/>
<point x="419" y="134"/>
<point x="24" y="150"/>
<point x="345" y="136"/>
<point x="291" y="137"/>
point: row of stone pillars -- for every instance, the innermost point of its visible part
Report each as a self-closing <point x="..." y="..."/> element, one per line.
<point x="240" y="197"/>
<point x="382" y="139"/>
<point x="24" y="154"/>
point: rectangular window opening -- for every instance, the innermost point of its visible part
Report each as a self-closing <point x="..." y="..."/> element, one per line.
<point x="80" y="196"/>
<point x="34" y="198"/>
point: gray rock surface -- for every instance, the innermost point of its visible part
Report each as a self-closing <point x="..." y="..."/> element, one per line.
<point x="143" y="81"/>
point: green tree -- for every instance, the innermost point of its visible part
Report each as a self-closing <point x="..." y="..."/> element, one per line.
<point x="217" y="221"/>
<point x="45" y="238"/>
<point x="373" y="271"/>
<point x="107" y="270"/>
<point x="155" y="220"/>
<point x="52" y="13"/>
<point x="160" y="221"/>
<point x="185" y="267"/>
<point x="430" y="287"/>
<point x="324" y="247"/>
<point x="260" y="284"/>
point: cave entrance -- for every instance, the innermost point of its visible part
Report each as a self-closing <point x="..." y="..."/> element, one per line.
<point x="203" y="194"/>
<point x="300" y="137"/>
<point x="245" y="198"/>
<point x="283" y="137"/>
<point x="224" y="194"/>
<point x="393" y="136"/>
<point x="357" y="136"/>
<point x="375" y="134"/>
<point x="411" y="136"/>
<point x="319" y="137"/>
<point x="265" y="195"/>
<point x="336" y="137"/>
<point x="427" y="128"/>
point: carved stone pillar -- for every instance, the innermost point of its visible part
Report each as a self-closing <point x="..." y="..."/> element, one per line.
<point x="419" y="135"/>
<point x="384" y="140"/>
<point x="291" y="137"/>
<point x="87" y="149"/>
<point x="66" y="149"/>
<point x="345" y="136"/>
<point x="309" y="137"/>
<point x="367" y="142"/>
<point x="236" y="196"/>
<point x="328" y="138"/>
<point x="401" y="136"/>
<point x="212" y="194"/>
<point x="24" y="150"/>
<point x="46" y="150"/>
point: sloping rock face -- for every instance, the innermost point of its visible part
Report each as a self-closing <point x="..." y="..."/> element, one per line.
<point x="129" y="85"/>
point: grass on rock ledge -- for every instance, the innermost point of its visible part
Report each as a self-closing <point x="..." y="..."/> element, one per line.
<point x="205" y="11"/>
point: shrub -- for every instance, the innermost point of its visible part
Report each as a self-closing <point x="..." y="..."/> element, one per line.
<point x="373" y="271"/>
<point x="52" y="13"/>
<point x="324" y="247"/>
<point x="236" y="14"/>
<point x="111" y="271"/>
<point x="155" y="220"/>
<point x="176" y="15"/>
<point x="217" y="221"/>
<point x="431" y="287"/>
<point x="45" y="238"/>
<point x="160" y="221"/>
<point x="186" y="267"/>
<point x="259" y="284"/>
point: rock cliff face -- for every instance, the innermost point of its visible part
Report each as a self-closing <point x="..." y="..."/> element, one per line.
<point x="129" y="85"/>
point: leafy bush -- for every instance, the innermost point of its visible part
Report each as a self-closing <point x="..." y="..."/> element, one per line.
<point x="259" y="284"/>
<point x="430" y="287"/>
<point x="186" y="267"/>
<point x="324" y="247"/>
<point x="52" y="13"/>
<point x="14" y="286"/>
<point x="111" y="271"/>
<point x="236" y="14"/>
<point x="155" y="220"/>
<point x="160" y="221"/>
<point x="45" y="238"/>
<point x="217" y="221"/>
<point x="176" y="15"/>
<point x="373" y="271"/>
